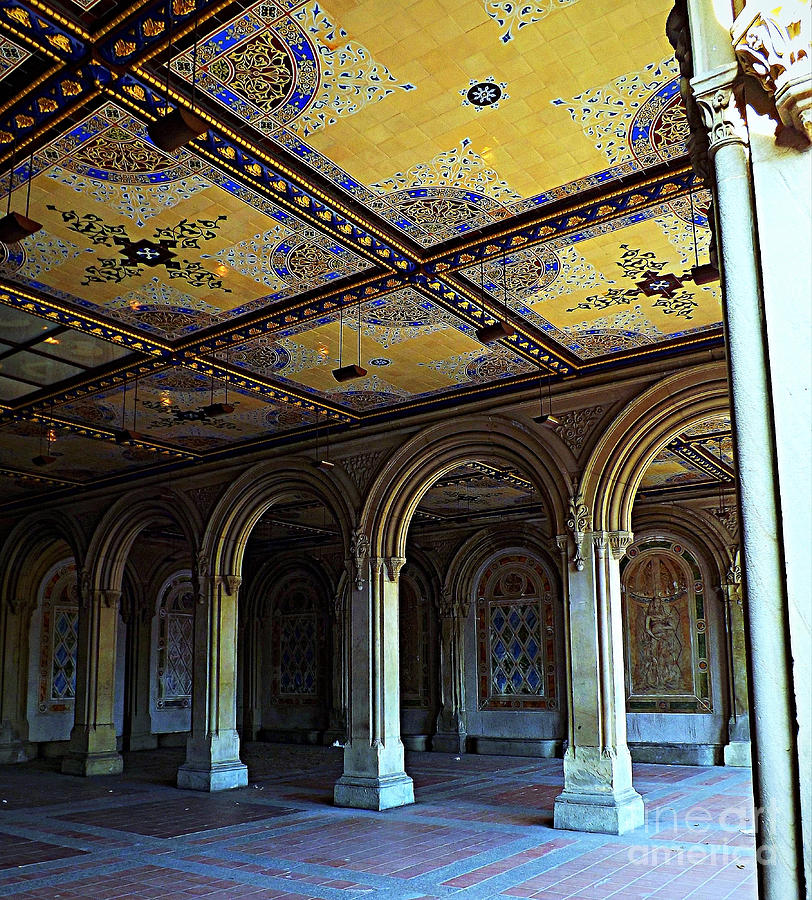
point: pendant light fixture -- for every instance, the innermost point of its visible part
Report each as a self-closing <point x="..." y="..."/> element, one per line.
<point x="173" y="130"/>
<point x="45" y="459"/>
<point x="219" y="409"/>
<point x="548" y="416"/>
<point x="125" y="435"/>
<point x="15" y="226"/>
<point x="353" y="371"/>
<point x="501" y="328"/>
<point x="323" y="458"/>
<point x="706" y="273"/>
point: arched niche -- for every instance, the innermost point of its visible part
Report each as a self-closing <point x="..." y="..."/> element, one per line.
<point x="287" y="654"/>
<point x="515" y="685"/>
<point x="676" y="664"/>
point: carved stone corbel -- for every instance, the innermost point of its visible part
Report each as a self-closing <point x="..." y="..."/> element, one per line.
<point x="577" y="524"/>
<point x="359" y="549"/>
<point x="231" y="583"/>
<point x="200" y="569"/>
<point x="774" y="47"/>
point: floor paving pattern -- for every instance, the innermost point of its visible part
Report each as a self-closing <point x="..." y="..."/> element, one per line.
<point x="481" y="827"/>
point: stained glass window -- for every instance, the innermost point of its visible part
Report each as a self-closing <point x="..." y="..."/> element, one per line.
<point x="63" y="662"/>
<point x="176" y="644"/>
<point x="59" y="639"/>
<point x="516" y="635"/>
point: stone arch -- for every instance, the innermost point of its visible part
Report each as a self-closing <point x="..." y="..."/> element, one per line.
<point x="438" y="449"/>
<point x="248" y="498"/>
<point x="702" y="532"/>
<point x="120" y="526"/>
<point x="472" y="555"/>
<point x="620" y="458"/>
<point x="40" y="537"/>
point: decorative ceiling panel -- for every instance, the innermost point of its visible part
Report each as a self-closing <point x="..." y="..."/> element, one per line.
<point x="702" y="454"/>
<point x="410" y="347"/>
<point x="169" y="410"/>
<point x="476" y="489"/>
<point x="616" y="291"/>
<point x="446" y="125"/>
<point x="165" y="244"/>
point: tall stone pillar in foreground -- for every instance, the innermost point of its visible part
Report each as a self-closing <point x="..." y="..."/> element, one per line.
<point x="757" y="132"/>
<point x="598" y="793"/>
<point x="451" y="724"/>
<point x="137" y="721"/>
<point x="213" y="747"/>
<point x="374" y="774"/>
<point x="92" y="749"/>
<point x="14" y="620"/>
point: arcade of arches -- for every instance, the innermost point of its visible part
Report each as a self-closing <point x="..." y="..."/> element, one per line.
<point x="602" y="564"/>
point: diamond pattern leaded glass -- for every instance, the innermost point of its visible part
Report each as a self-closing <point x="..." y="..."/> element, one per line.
<point x="177" y="680"/>
<point x="516" y="660"/>
<point x="63" y="666"/>
<point x="297" y="654"/>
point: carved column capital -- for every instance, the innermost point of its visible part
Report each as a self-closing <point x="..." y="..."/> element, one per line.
<point x="107" y="598"/>
<point x="451" y="607"/>
<point x="619" y="543"/>
<point x="774" y="47"/>
<point x="394" y="565"/>
<point x="230" y="584"/>
<point x="717" y="104"/>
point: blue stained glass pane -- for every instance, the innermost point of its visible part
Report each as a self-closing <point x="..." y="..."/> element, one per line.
<point x="514" y="619"/>
<point x="533" y="679"/>
<point x="498" y="622"/>
<point x="501" y="681"/>
<point x="515" y="649"/>
<point x="532" y="649"/>
<point x="499" y="650"/>
<point x="517" y="679"/>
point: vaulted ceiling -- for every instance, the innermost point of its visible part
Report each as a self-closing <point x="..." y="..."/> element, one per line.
<point x="378" y="180"/>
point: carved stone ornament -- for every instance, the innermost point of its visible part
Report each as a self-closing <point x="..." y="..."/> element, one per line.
<point x="720" y="113"/>
<point x="231" y="583"/>
<point x="394" y="564"/>
<point x="619" y="543"/>
<point x="359" y="548"/>
<point x="574" y="426"/>
<point x="362" y="468"/>
<point x="734" y="574"/>
<point x="451" y="607"/>
<point x="577" y="525"/>
<point x="774" y="46"/>
<point x="83" y="586"/>
<point x="200" y="572"/>
<point x="729" y="517"/>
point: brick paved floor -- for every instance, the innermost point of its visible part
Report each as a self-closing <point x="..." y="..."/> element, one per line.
<point x="481" y="827"/>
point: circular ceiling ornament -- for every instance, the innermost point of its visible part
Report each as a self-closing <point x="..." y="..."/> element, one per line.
<point x="485" y="93"/>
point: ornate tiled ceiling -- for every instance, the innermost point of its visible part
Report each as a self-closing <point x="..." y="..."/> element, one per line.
<point x="702" y="455"/>
<point x="395" y="171"/>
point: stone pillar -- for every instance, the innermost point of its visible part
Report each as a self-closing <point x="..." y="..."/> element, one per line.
<point x="92" y="749"/>
<point x="737" y="749"/>
<point x="374" y="773"/>
<point x="137" y="720"/>
<point x="451" y="724"/>
<point x="15" y="618"/>
<point x="213" y="747"/>
<point x="340" y="682"/>
<point x="772" y="468"/>
<point x="598" y="793"/>
<point x="249" y="688"/>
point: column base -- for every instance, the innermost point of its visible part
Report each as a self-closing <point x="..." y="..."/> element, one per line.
<point x="219" y="777"/>
<point x="602" y="813"/>
<point x="370" y="792"/>
<point x="86" y="764"/>
<point x="449" y="743"/>
<point x="146" y="741"/>
<point x="737" y="753"/>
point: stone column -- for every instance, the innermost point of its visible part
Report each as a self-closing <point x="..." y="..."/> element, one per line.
<point x="213" y="747"/>
<point x="15" y="618"/>
<point x="92" y="749"/>
<point x="374" y="773"/>
<point x="339" y="686"/>
<point x="249" y="687"/>
<point x="765" y="525"/>
<point x="737" y="749"/>
<point x="137" y="720"/>
<point x="598" y="793"/>
<point x="451" y="724"/>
